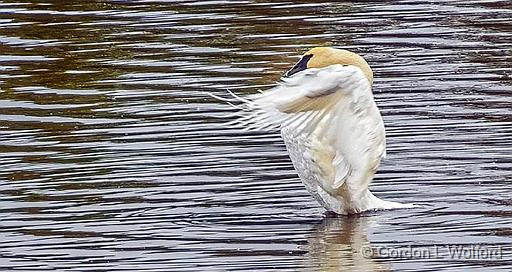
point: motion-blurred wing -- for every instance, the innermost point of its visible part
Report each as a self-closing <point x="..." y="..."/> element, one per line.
<point x="325" y="101"/>
<point x="304" y="98"/>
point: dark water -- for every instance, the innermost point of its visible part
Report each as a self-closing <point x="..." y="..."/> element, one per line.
<point x="110" y="159"/>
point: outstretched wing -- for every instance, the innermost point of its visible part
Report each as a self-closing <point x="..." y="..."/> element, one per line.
<point x="306" y="97"/>
<point x="332" y="102"/>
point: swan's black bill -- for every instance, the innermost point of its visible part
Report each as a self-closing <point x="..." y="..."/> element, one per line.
<point x="301" y="65"/>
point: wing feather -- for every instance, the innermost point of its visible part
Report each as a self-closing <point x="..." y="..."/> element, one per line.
<point x="300" y="103"/>
<point x="305" y="96"/>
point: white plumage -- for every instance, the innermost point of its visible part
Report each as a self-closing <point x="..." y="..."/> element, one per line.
<point x="333" y="131"/>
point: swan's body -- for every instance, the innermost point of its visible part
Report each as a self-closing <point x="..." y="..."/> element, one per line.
<point x="331" y="125"/>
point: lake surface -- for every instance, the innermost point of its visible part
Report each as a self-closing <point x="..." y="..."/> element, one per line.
<point x="111" y="157"/>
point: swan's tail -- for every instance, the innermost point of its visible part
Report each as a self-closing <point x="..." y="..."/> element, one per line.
<point x="374" y="203"/>
<point x="366" y="202"/>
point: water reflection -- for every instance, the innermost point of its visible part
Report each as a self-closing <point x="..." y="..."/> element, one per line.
<point x="337" y="244"/>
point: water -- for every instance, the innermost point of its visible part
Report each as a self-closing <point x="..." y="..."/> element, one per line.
<point x="111" y="159"/>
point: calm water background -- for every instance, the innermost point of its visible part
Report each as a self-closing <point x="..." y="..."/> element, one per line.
<point x="111" y="159"/>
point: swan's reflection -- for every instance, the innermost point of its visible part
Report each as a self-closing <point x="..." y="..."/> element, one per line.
<point x="337" y="243"/>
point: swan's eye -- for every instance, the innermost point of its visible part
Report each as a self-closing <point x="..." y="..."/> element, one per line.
<point x="301" y="65"/>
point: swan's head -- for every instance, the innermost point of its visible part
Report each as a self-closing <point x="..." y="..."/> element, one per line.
<point x="320" y="57"/>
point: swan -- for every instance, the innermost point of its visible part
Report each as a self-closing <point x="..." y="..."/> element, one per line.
<point x="331" y="126"/>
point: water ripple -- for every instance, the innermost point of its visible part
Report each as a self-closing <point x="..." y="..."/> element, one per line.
<point x="112" y="158"/>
